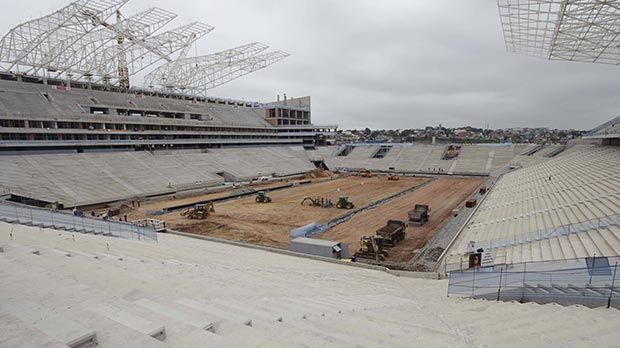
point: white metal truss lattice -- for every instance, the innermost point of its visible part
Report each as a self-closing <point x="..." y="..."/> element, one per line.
<point x="141" y="54"/>
<point x="198" y="74"/>
<point x="573" y="30"/>
<point x="76" y="57"/>
<point x="38" y="41"/>
<point x="82" y="41"/>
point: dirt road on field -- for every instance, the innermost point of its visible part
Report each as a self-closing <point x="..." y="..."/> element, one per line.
<point x="442" y="195"/>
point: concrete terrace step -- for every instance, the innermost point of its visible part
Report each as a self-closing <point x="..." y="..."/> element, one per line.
<point x="128" y="319"/>
<point x="57" y="327"/>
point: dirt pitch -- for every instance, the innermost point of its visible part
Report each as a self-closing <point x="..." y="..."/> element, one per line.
<point x="270" y="224"/>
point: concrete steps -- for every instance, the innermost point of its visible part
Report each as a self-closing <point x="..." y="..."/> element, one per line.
<point x="216" y="295"/>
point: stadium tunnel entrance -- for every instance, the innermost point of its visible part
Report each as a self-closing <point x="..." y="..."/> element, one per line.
<point x="320" y="165"/>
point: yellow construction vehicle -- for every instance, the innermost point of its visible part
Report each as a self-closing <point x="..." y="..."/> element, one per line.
<point x="363" y="172"/>
<point x="371" y="247"/>
<point x="199" y="211"/>
<point x="316" y="201"/>
<point x="393" y="177"/>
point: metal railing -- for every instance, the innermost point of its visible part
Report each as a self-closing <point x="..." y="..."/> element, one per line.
<point x="565" y="230"/>
<point x="25" y="215"/>
<point x="587" y="281"/>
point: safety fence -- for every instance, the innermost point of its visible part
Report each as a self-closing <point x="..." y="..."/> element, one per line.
<point x="25" y="215"/>
<point x="587" y="281"/>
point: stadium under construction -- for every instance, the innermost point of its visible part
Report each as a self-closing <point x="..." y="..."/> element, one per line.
<point x="156" y="215"/>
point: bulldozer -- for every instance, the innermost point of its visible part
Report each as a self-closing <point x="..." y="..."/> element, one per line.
<point x="199" y="211"/>
<point x="371" y="247"/>
<point x="393" y="177"/>
<point x="344" y="203"/>
<point x="261" y="197"/>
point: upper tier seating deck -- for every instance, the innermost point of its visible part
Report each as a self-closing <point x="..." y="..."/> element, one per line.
<point x="609" y="129"/>
<point x="41" y="100"/>
<point x="473" y="159"/>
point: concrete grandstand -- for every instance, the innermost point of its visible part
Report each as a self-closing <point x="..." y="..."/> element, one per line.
<point x="564" y="208"/>
<point x="480" y="159"/>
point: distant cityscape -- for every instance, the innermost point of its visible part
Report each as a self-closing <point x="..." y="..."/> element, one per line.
<point x="460" y="135"/>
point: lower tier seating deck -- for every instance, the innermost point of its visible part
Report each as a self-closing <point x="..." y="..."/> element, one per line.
<point x="180" y="292"/>
<point x="563" y="208"/>
<point x="88" y="178"/>
<point x="472" y="159"/>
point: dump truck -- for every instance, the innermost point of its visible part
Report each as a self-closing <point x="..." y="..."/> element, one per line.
<point x="371" y="247"/>
<point x="392" y="233"/>
<point x="344" y="203"/>
<point x="199" y="211"/>
<point x="261" y="197"/>
<point x="419" y="215"/>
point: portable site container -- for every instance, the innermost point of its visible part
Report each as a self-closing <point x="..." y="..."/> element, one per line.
<point x="319" y="247"/>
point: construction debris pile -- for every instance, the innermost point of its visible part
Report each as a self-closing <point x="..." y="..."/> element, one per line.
<point x="318" y="173"/>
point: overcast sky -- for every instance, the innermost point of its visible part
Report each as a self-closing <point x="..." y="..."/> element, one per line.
<point x="390" y="64"/>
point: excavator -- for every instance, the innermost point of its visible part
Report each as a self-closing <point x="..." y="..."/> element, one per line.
<point x="316" y="201"/>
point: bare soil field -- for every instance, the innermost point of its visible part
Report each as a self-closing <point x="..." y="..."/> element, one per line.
<point x="142" y="212"/>
<point x="442" y="195"/>
<point x="270" y="223"/>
